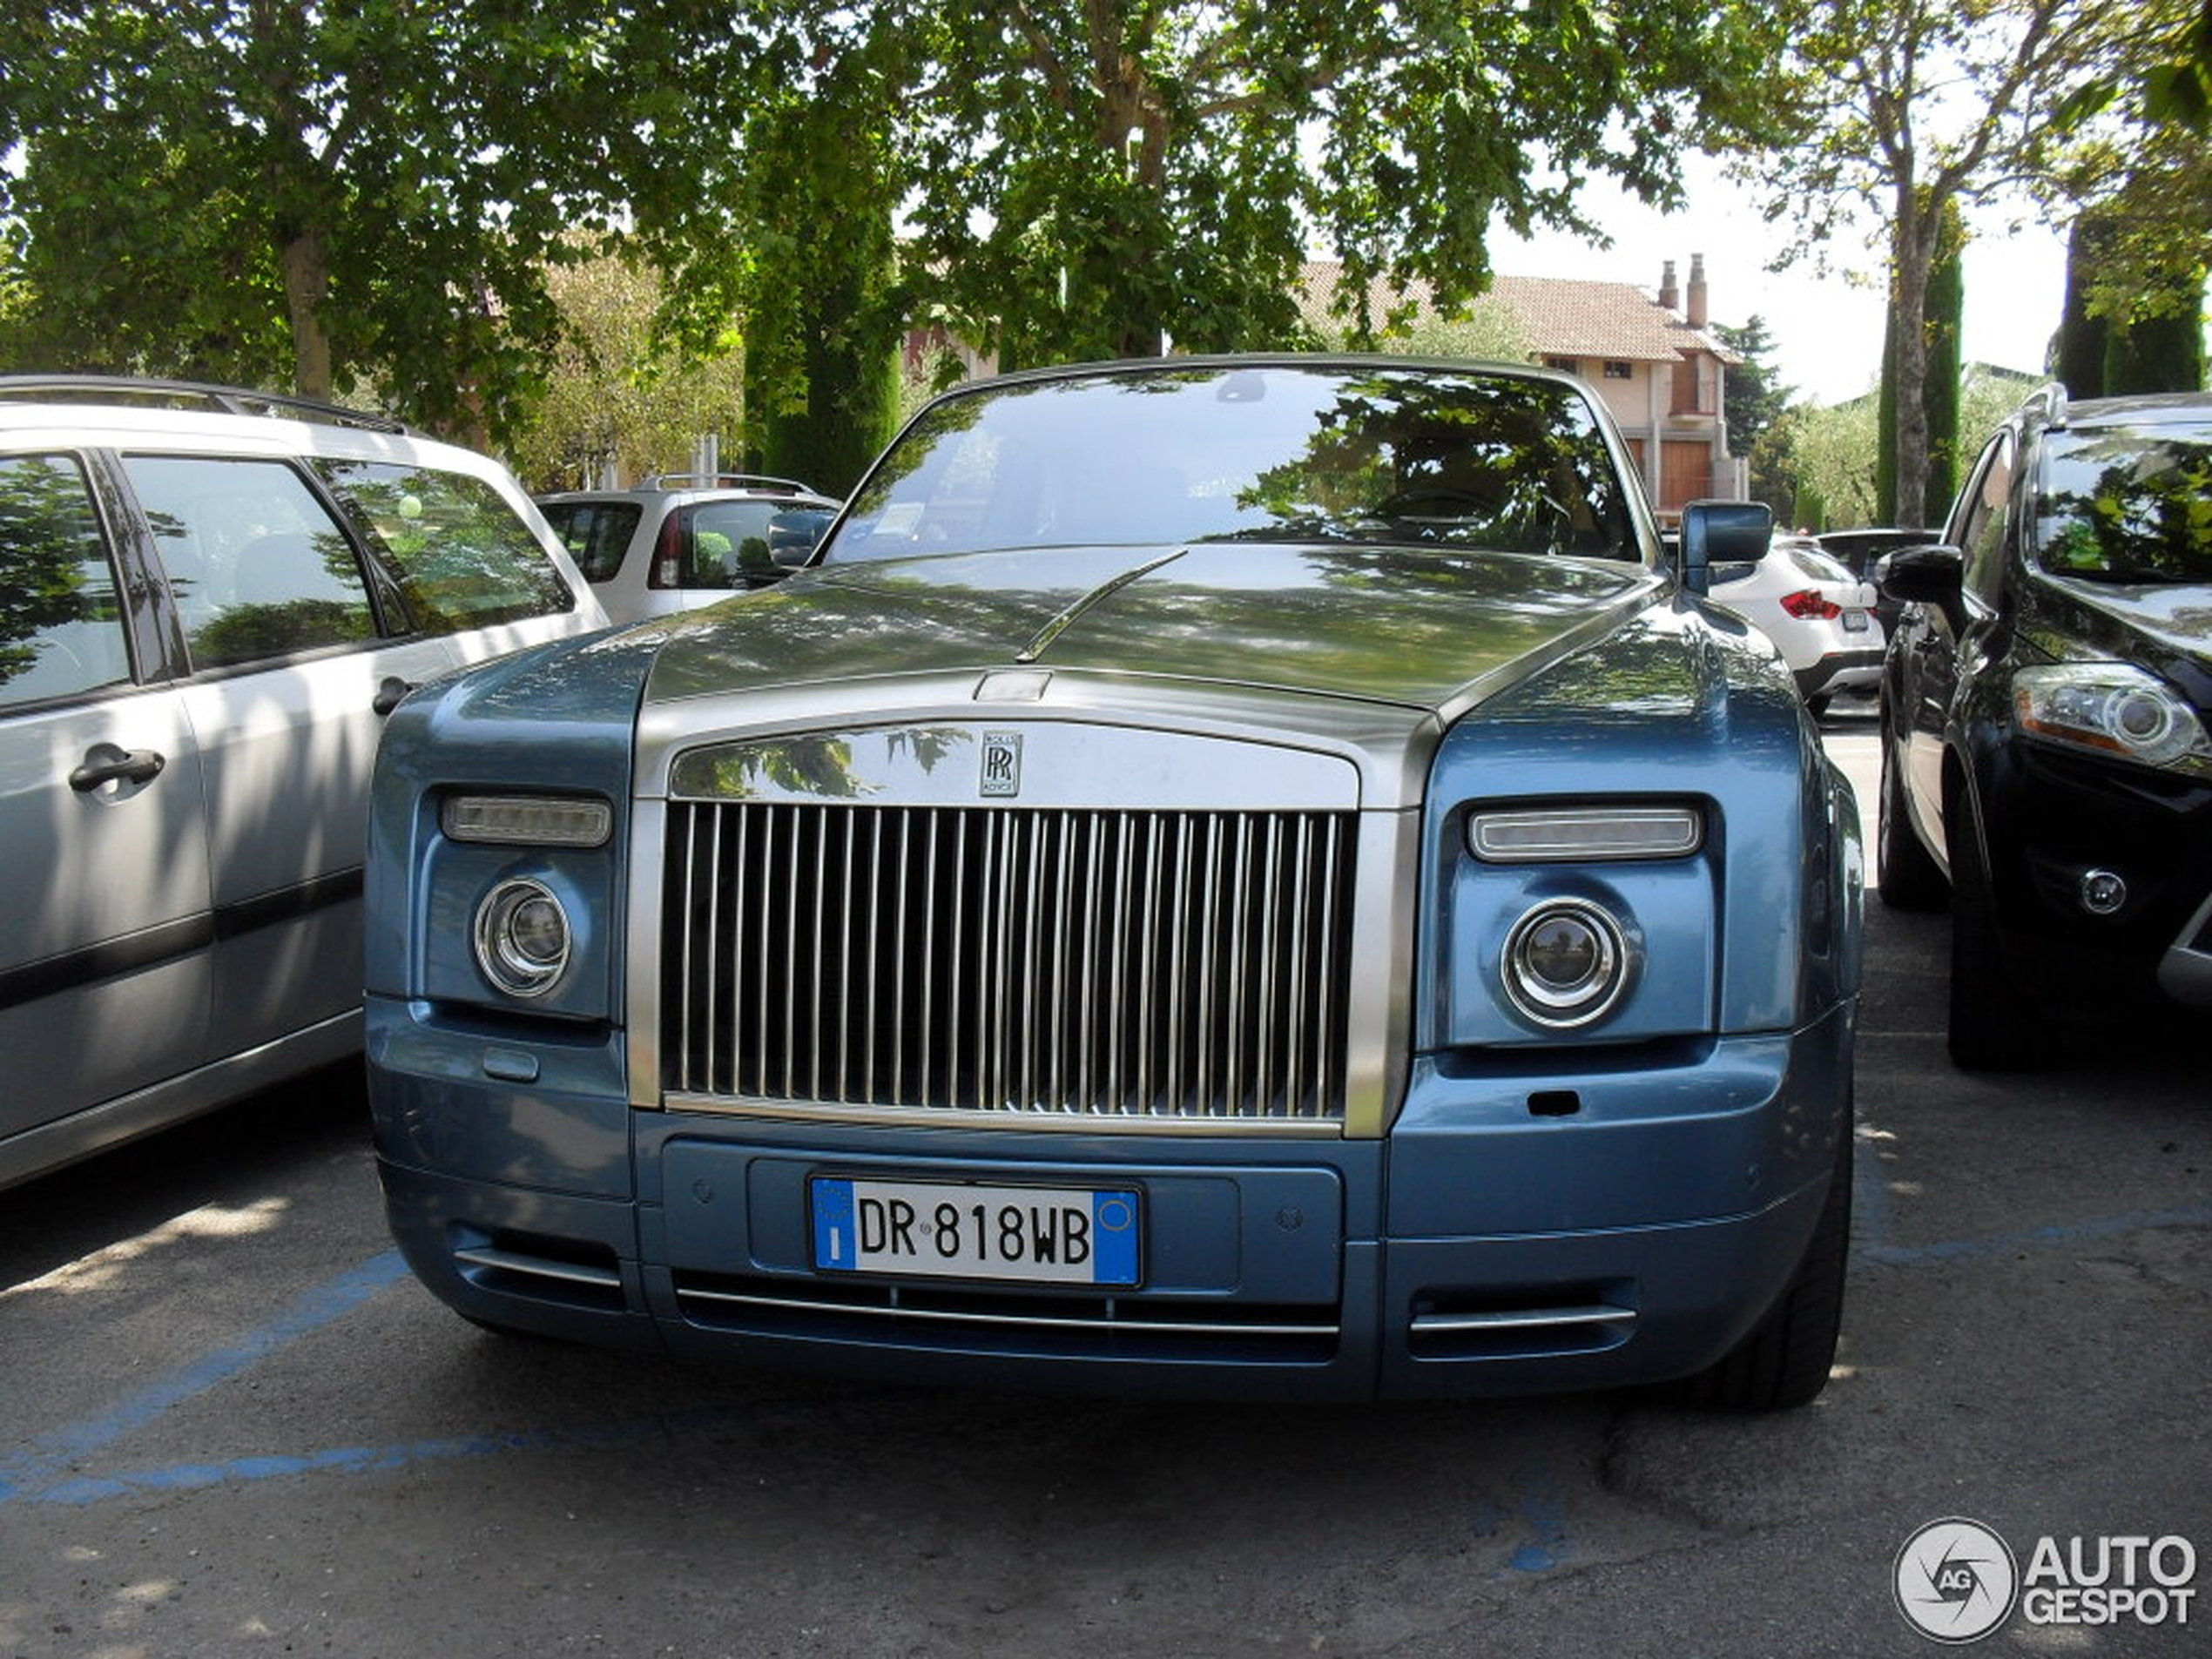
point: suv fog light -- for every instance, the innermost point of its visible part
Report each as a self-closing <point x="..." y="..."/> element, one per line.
<point x="1566" y="963"/>
<point x="2102" y="893"/>
<point x="522" y="937"/>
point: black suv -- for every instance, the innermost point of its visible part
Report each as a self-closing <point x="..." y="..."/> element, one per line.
<point x="2045" y="707"/>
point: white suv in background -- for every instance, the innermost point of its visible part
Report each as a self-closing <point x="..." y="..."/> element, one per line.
<point x="683" y="540"/>
<point x="210" y="599"/>
<point x="1819" y="615"/>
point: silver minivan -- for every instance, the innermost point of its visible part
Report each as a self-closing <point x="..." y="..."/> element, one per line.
<point x="209" y="600"/>
<point x="681" y="541"/>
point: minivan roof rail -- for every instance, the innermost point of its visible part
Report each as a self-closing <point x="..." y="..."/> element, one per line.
<point x="719" y="480"/>
<point x="204" y="394"/>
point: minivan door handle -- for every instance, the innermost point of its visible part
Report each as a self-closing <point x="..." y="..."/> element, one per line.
<point x="106" y="765"/>
<point x="390" y="694"/>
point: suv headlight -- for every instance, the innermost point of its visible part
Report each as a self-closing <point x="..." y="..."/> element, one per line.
<point x="2115" y="709"/>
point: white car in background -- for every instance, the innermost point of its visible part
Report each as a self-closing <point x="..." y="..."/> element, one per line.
<point x="210" y="600"/>
<point x="1819" y="615"/>
<point x="680" y="540"/>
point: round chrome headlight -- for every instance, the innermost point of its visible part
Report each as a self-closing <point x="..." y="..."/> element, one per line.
<point x="522" y="937"/>
<point x="1567" y="963"/>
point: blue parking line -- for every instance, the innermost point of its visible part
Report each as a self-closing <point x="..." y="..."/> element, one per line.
<point x="370" y="1460"/>
<point x="1870" y="1198"/>
<point x="1955" y="1250"/>
<point x="45" y="1472"/>
<point x="49" y="1457"/>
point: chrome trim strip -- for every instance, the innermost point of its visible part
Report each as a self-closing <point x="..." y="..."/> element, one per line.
<point x="1095" y="1123"/>
<point x="947" y="1316"/>
<point x="642" y="931"/>
<point x="1379" y="1011"/>
<point x="2184" y="972"/>
<point x="1044" y="637"/>
<point x="507" y="1261"/>
<point x="1523" y="1319"/>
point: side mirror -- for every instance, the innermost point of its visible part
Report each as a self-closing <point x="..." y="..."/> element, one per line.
<point x="1927" y="575"/>
<point x="1721" y="532"/>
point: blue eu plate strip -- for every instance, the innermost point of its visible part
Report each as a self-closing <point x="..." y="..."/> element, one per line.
<point x="836" y="1240"/>
<point x="1113" y="1217"/>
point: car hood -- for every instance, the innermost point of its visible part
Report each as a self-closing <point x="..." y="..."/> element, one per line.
<point x="2165" y="627"/>
<point x="1396" y="625"/>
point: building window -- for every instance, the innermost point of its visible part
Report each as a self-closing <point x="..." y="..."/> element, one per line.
<point x="1619" y="371"/>
<point x="1567" y="363"/>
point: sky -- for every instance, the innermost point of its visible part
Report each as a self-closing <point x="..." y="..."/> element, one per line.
<point x="1827" y="328"/>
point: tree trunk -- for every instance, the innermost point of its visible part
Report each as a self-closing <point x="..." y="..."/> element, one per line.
<point x="306" y="285"/>
<point x="1946" y="310"/>
<point x="1911" y="237"/>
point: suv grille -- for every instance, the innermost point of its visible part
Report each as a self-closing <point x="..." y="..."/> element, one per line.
<point x="1121" y="964"/>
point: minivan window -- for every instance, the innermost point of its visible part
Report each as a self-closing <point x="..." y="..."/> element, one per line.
<point x="259" y="567"/>
<point x="61" y="622"/>
<point x="732" y="544"/>
<point x="595" y="532"/>
<point x="461" y="556"/>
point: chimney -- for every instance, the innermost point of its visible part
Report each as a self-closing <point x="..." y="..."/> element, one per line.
<point x="1695" y="315"/>
<point x="1670" y="296"/>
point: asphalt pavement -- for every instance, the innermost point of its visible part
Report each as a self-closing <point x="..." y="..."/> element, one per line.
<point x="230" y="1425"/>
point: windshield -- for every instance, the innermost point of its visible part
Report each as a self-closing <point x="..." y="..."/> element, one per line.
<point x="1281" y="453"/>
<point x="2129" y="503"/>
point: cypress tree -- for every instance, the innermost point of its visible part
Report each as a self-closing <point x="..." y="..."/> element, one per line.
<point x="1885" y="422"/>
<point x="2163" y="352"/>
<point x="2078" y="352"/>
<point x="1945" y="306"/>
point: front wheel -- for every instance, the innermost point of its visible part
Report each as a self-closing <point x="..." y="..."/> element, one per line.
<point x="1784" y="1360"/>
<point x="1996" y="1025"/>
<point x="1907" y="876"/>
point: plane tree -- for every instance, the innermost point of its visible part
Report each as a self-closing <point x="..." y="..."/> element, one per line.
<point x="1908" y="109"/>
<point x="324" y="194"/>
<point x="1094" y="178"/>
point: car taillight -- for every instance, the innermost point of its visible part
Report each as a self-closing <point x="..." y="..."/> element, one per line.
<point x="1810" y="606"/>
<point x="668" y="556"/>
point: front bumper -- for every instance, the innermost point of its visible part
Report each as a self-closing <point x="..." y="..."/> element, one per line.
<point x="2052" y="819"/>
<point x="1615" y="1223"/>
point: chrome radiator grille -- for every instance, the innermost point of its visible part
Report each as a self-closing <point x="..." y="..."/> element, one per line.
<point x="1120" y="964"/>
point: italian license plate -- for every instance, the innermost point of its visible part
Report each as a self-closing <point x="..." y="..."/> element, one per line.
<point x="1854" y="622"/>
<point x="1032" y="1235"/>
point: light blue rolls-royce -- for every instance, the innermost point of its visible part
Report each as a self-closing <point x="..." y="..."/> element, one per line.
<point x="1225" y="876"/>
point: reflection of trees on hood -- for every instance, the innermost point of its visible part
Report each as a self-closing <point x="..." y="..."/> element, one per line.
<point x="46" y="535"/>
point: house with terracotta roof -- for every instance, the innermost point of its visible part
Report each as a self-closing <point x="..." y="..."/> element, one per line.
<point x="1654" y="360"/>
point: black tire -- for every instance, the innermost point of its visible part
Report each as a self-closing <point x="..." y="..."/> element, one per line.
<point x="1905" y="873"/>
<point x="1995" y="1025"/>
<point x="1782" y="1361"/>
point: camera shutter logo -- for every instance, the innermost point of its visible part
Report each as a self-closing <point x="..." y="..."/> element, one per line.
<point x="1956" y="1580"/>
<point x="1001" y="763"/>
